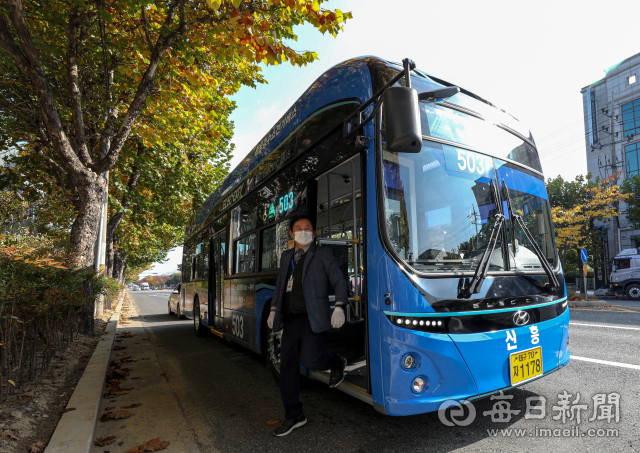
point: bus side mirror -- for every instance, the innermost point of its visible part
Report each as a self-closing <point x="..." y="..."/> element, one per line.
<point x="403" y="129"/>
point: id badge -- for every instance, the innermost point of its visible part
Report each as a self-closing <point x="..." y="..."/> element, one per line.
<point x="290" y="284"/>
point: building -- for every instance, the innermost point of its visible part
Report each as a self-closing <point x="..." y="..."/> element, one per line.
<point x="612" y="126"/>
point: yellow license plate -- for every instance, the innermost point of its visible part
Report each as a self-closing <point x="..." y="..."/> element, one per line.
<point x="525" y="365"/>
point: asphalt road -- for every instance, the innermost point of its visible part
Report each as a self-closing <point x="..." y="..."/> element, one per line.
<point x="228" y="396"/>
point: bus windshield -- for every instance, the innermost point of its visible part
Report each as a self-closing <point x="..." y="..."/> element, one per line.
<point x="440" y="209"/>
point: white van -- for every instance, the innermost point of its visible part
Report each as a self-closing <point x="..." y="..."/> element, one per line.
<point x="144" y="286"/>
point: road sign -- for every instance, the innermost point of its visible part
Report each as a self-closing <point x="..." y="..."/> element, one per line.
<point x="583" y="255"/>
<point x="584" y="268"/>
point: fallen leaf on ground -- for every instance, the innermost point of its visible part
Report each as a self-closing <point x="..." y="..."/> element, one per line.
<point x="68" y="410"/>
<point x="273" y="422"/>
<point x="146" y="339"/>
<point x="145" y="358"/>
<point x="115" y="415"/>
<point x="108" y="440"/>
<point x="121" y="353"/>
<point x="126" y="335"/>
<point x="10" y="435"/>
<point x="162" y="374"/>
<point x="105" y="339"/>
<point x="37" y="447"/>
<point x="131" y="406"/>
<point x="109" y="408"/>
<point x="117" y="390"/>
<point x="151" y="445"/>
<point x="119" y="348"/>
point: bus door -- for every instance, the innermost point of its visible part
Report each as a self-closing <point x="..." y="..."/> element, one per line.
<point x="339" y="226"/>
<point x="216" y="279"/>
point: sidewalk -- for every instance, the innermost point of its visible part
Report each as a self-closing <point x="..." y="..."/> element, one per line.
<point x="139" y="405"/>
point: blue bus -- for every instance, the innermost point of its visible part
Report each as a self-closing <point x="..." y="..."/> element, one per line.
<point x="434" y="204"/>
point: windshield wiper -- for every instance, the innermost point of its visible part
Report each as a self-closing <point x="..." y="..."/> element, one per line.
<point x="515" y="218"/>
<point x="468" y="287"/>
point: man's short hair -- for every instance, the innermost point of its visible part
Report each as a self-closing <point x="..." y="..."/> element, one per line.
<point x="299" y="217"/>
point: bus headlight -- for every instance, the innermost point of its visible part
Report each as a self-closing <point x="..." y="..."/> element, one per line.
<point x="408" y="362"/>
<point x="418" y="385"/>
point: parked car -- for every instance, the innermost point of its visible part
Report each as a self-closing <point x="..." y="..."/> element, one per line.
<point x="174" y="302"/>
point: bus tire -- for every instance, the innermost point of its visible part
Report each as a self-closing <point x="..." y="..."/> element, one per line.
<point x="633" y="291"/>
<point x="273" y="353"/>
<point x="201" y="332"/>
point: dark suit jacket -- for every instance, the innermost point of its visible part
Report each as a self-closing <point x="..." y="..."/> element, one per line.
<point x="320" y="268"/>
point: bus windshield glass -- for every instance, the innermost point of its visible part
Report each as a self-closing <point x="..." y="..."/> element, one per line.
<point x="440" y="209"/>
<point x="455" y="126"/>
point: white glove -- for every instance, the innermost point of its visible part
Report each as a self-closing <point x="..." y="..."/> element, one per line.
<point x="337" y="319"/>
<point x="272" y="316"/>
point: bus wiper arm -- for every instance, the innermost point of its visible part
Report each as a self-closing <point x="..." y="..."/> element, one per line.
<point x="468" y="287"/>
<point x="553" y="280"/>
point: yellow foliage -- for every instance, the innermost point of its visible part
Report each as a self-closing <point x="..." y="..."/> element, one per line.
<point x="573" y="225"/>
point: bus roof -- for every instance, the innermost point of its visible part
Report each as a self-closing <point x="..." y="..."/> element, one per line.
<point x="351" y="79"/>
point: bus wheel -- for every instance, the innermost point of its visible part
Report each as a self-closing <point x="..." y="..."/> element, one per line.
<point x="633" y="291"/>
<point x="273" y="353"/>
<point x="200" y="330"/>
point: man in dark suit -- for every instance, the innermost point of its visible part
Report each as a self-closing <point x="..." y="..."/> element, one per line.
<point x="300" y="306"/>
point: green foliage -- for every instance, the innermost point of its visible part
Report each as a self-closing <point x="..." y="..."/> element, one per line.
<point x="134" y="86"/>
<point x="631" y="186"/>
<point x="174" y="279"/>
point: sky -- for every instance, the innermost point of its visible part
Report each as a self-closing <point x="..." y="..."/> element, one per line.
<point x="530" y="59"/>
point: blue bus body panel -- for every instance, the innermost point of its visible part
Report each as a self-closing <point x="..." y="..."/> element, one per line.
<point x="487" y="354"/>
<point x="438" y="362"/>
<point x="565" y="355"/>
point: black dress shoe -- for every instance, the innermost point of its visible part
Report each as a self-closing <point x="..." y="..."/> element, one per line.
<point x="289" y="425"/>
<point x="337" y="373"/>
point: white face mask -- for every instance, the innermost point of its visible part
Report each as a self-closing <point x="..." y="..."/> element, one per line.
<point x="303" y="237"/>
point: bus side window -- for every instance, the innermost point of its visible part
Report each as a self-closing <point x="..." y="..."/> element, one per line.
<point x="245" y="254"/>
<point x="273" y="241"/>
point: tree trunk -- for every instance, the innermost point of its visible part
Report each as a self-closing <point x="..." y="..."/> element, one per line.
<point x="84" y="231"/>
<point x="119" y="264"/>
<point x="109" y="258"/>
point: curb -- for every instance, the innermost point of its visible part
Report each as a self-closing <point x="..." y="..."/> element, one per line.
<point x="587" y="303"/>
<point x="74" y="433"/>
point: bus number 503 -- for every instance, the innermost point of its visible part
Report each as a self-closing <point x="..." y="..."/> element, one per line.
<point x="237" y="326"/>
<point x="472" y="162"/>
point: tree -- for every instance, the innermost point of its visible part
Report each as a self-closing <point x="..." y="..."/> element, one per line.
<point x="631" y="187"/>
<point x="576" y="205"/>
<point x="152" y="192"/>
<point x="81" y="79"/>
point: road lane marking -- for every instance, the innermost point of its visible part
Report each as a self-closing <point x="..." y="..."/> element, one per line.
<point x="571" y="323"/>
<point x="606" y="362"/>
